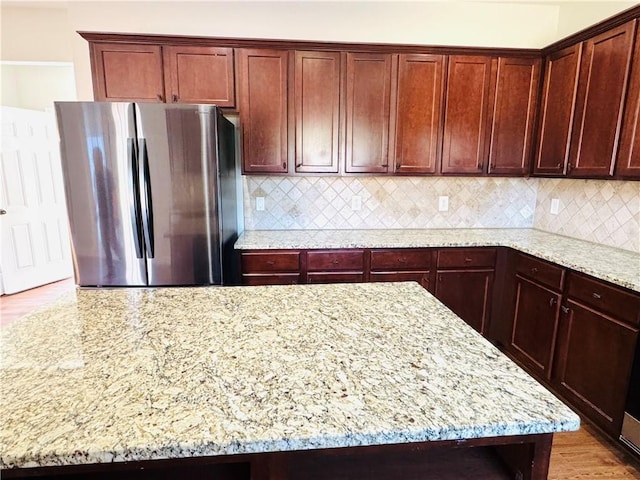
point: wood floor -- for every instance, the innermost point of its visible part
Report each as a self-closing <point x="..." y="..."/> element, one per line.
<point x="582" y="455"/>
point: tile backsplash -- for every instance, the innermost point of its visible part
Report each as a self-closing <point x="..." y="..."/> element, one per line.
<point x="600" y="211"/>
<point x="388" y="202"/>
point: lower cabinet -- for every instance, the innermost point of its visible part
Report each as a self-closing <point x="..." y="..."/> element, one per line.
<point x="596" y="348"/>
<point x="401" y="265"/>
<point x="577" y="335"/>
<point x="335" y="266"/>
<point x="270" y="267"/>
<point x="464" y="283"/>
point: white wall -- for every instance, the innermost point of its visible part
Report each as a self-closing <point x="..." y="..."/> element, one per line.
<point x="576" y="16"/>
<point x="36" y="87"/>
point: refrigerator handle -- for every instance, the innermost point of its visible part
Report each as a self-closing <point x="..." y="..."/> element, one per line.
<point x="134" y="200"/>
<point x="147" y="217"/>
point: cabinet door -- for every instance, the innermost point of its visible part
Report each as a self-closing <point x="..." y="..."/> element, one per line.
<point x="262" y="97"/>
<point x="416" y="119"/>
<point x="124" y="72"/>
<point x="556" y="117"/>
<point x="535" y="325"/>
<point x="595" y="355"/>
<point x="628" y="160"/>
<point x="465" y="120"/>
<point x="199" y="75"/>
<point x="601" y="91"/>
<point x="317" y="111"/>
<point x="467" y="293"/>
<point x="514" y="111"/>
<point x="368" y="99"/>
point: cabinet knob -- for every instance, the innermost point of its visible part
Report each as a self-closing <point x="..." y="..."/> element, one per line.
<point x="284" y="165"/>
<point x="553" y="301"/>
<point x="298" y="165"/>
<point x="468" y="260"/>
<point x="492" y="165"/>
<point x="597" y="296"/>
<point x="402" y="260"/>
<point x="480" y="165"/>
<point x="565" y="309"/>
<point x="174" y="98"/>
<point x="385" y="165"/>
<point x="270" y="263"/>
<point x="559" y="166"/>
<point x="160" y="97"/>
<point x="569" y="167"/>
<point x="335" y="261"/>
<point x="534" y="270"/>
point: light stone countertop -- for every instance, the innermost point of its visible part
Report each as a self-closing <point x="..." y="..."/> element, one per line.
<point x="621" y="267"/>
<point x="140" y="374"/>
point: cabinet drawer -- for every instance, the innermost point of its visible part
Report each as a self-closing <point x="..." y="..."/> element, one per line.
<point x="465" y="257"/>
<point x="335" y="277"/>
<point x="270" y="279"/>
<point x="275" y="261"/>
<point x="540" y="271"/>
<point x="401" y="259"/>
<point x="606" y="298"/>
<point x="421" y="277"/>
<point x="322" y="260"/>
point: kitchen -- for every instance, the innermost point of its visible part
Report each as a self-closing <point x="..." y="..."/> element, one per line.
<point x="526" y="212"/>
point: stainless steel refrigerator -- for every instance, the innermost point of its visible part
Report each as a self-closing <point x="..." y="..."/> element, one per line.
<point x="151" y="193"/>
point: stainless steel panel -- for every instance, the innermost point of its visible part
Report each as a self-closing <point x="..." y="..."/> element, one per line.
<point x="98" y="162"/>
<point x="178" y="145"/>
<point x="631" y="432"/>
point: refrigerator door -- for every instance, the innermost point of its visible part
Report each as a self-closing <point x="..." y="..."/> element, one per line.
<point x="97" y="144"/>
<point x="178" y="183"/>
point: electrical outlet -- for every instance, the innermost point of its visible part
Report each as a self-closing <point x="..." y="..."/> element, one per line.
<point x="260" y="204"/>
<point x="555" y="206"/>
<point x="356" y="203"/>
<point x="443" y="203"/>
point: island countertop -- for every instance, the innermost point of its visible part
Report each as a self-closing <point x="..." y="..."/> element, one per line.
<point x="142" y="374"/>
<point x="621" y="267"/>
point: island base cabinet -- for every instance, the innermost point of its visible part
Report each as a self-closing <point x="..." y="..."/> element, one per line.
<point x="594" y="361"/>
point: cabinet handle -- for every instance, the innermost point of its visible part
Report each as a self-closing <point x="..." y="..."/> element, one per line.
<point x="161" y="98"/>
<point x="597" y="296"/>
<point x="336" y="261"/>
<point x="298" y="165"/>
<point x="480" y="165"/>
<point x="492" y="166"/>
<point x="565" y="309"/>
<point x="385" y="165"/>
<point x="468" y="260"/>
<point x="534" y="270"/>
<point x="174" y="98"/>
<point x="402" y="260"/>
<point x="270" y="262"/>
<point x="559" y="166"/>
<point x="569" y="167"/>
<point x="553" y="301"/>
<point x="284" y="165"/>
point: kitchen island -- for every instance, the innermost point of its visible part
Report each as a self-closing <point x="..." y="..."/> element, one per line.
<point x="132" y="378"/>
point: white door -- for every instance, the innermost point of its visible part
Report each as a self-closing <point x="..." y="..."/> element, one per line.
<point x="33" y="225"/>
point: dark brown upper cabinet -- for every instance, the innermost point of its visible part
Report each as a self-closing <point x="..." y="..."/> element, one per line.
<point x="416" y="119"/>
<point x="263" y="109"/>
<point x="199" y="75"/>
<point x="317" y="97"/>
<point x="556" y="115"/>
<point x="514" y="113"/>
<point x="628" y="161"/>
<point x="367" y="110"/>
<point x="465" y="118"/>
<point x="124" y="72"/>
<point x="604" y="70"/>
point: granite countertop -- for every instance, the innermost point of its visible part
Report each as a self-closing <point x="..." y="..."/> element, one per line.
<point x="140" y="374"/>
<point x="621" y="267"/>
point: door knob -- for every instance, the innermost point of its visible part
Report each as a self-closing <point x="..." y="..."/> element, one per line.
<point x="3" y="211"/>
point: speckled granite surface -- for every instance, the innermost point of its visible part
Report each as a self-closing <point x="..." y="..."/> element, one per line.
<point x="621" y="267"/>
<point x="134" y="374"/>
